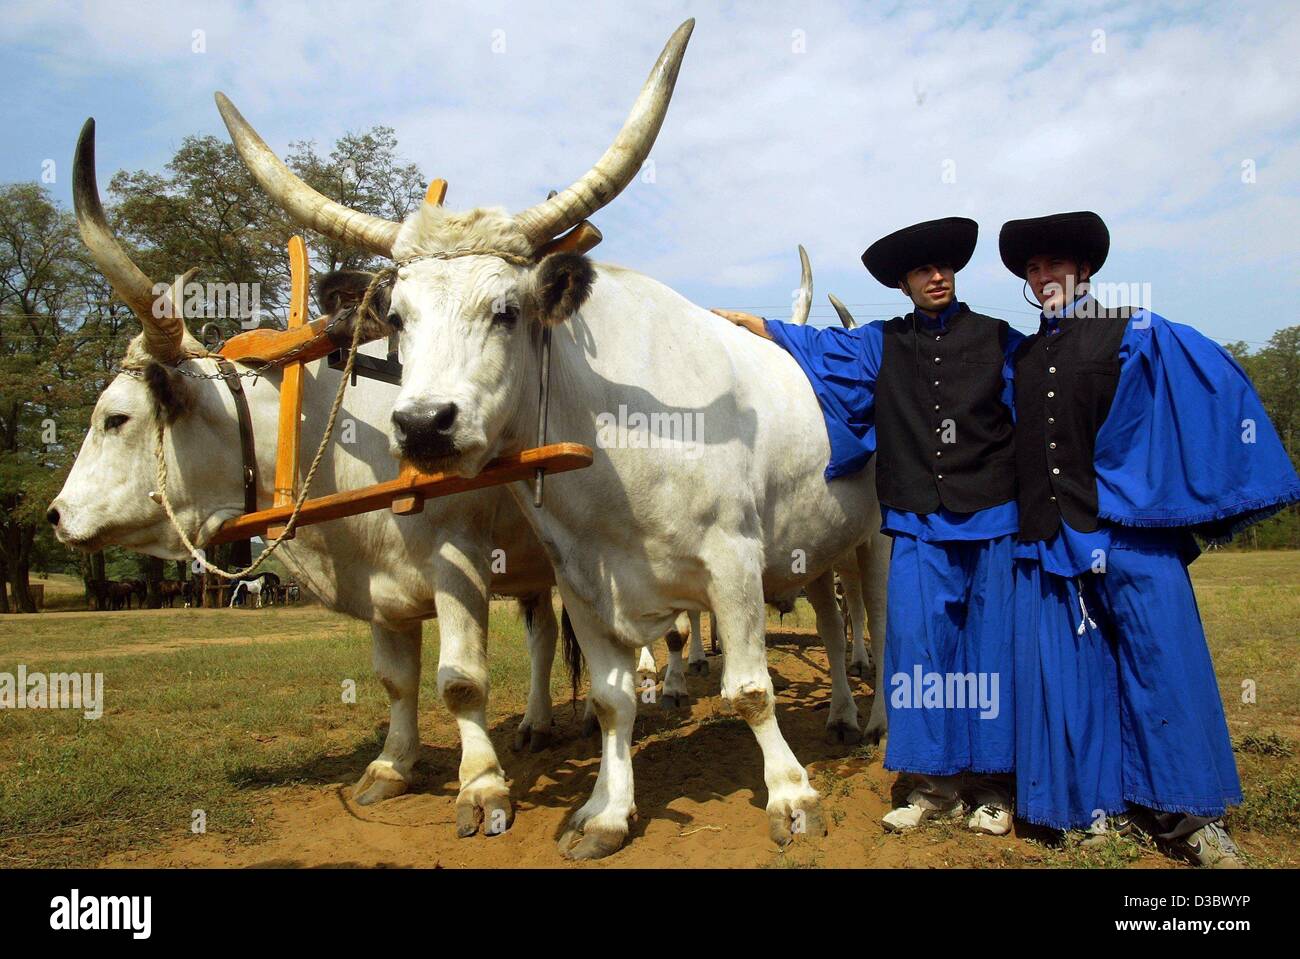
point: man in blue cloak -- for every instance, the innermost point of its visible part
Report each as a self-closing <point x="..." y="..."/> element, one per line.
<point x="928" y="393"/>
<point x="1132" y="434"/>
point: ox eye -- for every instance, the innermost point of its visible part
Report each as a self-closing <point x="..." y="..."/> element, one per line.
<point x="395" y="320"/>
<point x="507" y="318"/>
<point x="114" y="422"/>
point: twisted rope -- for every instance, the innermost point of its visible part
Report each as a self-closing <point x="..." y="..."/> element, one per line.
<point x="376" y="281"/>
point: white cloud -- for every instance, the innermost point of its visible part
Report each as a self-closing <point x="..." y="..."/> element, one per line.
<point x="765" y="147"/>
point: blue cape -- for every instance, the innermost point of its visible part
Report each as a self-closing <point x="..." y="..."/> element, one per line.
<point x="1187" y="442"/>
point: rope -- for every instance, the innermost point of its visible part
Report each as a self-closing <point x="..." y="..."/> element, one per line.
<point x="376" y="281"/>
<point x="359" y="321"/>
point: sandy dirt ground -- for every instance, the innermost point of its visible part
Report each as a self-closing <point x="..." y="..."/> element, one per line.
<point x="699" y="790"/>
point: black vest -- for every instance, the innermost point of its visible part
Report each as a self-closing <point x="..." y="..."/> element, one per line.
<point x="943" y="435"/>
<point x="1064" y="387"/>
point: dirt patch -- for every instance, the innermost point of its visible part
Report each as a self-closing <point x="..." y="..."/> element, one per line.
<point x="699" y="793"/>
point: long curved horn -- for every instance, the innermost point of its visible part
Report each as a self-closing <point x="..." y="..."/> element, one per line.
<point x="613" y="171"/>
<point x="804" y="303"/>
<point x="163" y="335"/>
<point x="311" y="209"/>
<point x="845" y="316"/>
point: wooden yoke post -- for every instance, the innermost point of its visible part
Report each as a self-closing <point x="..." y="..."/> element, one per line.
<point x="286" y="453"/>
<point x="414" y="503"/>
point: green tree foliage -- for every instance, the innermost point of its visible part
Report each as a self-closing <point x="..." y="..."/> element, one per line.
<point x="1275" y="371"/>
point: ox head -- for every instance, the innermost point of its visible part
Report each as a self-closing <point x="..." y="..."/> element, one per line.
<point x="471" y="291"/>
<point x="106" y="500"/>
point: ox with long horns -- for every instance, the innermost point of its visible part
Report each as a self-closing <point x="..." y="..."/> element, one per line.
<point x="649" y="528"/>
<point x="390" y="571"/>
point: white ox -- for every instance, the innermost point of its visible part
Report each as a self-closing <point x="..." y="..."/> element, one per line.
<point x="391" y="571"/>
<point x="643" y="532"/>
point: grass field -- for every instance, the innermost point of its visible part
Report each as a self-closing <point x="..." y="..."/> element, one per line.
<point x="235" y="712"/>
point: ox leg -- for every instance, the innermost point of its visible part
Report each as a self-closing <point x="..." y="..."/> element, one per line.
<point x="875" y="584"/>
<point x="859" y="661"/>
<point x="699" y="665"/>
<point x="599" y="827"/>
<point x="793" y="806"/>
<point x="462" y="600"/>
<point x="842" y="723"/>
<point x="535" y="729"/>
<point x="396" y="656"/>
<point x="675" y="694"/>
<point x="646" y="670"/>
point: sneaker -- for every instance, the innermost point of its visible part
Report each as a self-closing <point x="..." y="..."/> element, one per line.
<point x="1121" y="824"/>
<point x="910" y="816"/>
<point x="1212" y="847"/>
<point x="990" y="819"/>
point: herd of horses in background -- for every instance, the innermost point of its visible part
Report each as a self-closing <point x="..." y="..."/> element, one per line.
<point x="265" y="589"/>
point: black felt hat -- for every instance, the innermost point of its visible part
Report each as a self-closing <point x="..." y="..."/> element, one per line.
<point x="949" y="242"/>
<point x="1081" y="235"/>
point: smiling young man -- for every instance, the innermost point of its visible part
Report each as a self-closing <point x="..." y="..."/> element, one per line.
<point x="1132" y="434"/>
<point x="928" y="394"/>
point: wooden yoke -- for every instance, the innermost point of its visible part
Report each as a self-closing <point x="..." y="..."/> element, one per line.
<point x="286" y="452"/>
<point x="304" y="342"/>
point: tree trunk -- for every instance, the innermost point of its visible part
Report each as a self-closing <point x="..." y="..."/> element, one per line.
<point x="153" y="574"/>
<point x="4" y="587"/>
<point x="93" y="572"/>
<point x="18" y="552"/>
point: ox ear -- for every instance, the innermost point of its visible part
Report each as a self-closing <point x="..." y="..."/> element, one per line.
<point x="341" y="291"/>
<point x="561" y="285"/>
<point x="341" y="288"/>
<point x="172" y="396"/>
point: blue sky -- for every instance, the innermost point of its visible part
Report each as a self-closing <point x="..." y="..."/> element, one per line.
<point x="827" y="124"/>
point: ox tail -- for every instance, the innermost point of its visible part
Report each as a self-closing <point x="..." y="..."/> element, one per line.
<point x="572" y="652"/>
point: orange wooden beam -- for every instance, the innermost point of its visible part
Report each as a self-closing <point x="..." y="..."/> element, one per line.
<point x="554" y="458"/>
<point x="286" y="454"/>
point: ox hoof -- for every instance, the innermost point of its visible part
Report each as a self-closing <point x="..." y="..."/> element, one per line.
<point x="860" y="669"/>
<point x="844" y="733"/>
<point x="875" y="732"/>
<point x="380" y="781"/>
<point x="534" y="738"/>
<point x="800" y="819"/>
<point x="675" y="701"/>
<point x="699" y="668"/>
<point x="491" y="810"/>
<point x="591" y="842"/>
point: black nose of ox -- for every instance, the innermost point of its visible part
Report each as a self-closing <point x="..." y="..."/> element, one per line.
<point x="53" y="516"/>
<point x="424" y="432"/>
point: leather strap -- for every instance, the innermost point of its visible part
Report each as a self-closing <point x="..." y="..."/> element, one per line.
<point x="246" y="448"/>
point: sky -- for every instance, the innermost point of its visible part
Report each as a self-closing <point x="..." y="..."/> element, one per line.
<point x="823" y="123"/>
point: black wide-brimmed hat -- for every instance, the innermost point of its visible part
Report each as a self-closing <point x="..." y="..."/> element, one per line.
<point x="949" y="242"/>
<point x="1081" y="235"/>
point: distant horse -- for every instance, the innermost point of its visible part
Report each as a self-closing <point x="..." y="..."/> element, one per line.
<point x="254" y="588"/>
<point x="168" y="590"/>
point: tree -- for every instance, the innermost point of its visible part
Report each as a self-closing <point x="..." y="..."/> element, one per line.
<point x="62" y="330"/>
<point x="44" y="388"/>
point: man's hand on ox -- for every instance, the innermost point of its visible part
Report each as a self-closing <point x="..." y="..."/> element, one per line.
<point x="755" y="324"/>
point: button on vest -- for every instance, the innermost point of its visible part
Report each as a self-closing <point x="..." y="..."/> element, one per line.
<point x="943" y="436"/>
<point x="1064" y="387"/>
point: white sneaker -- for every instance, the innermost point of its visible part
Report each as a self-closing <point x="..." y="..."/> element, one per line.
<point x="991" y="820"/>
<point x="910" y="816"/>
